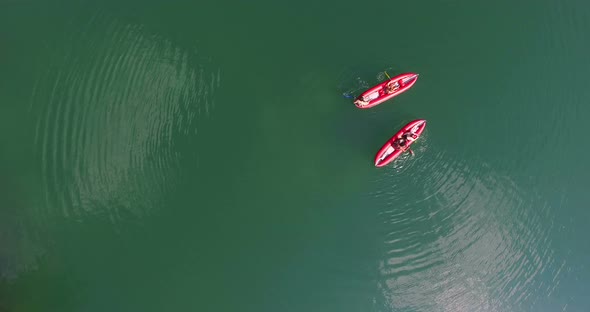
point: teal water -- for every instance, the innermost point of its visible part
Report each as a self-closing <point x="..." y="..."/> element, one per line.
<point x="176" y="156"/>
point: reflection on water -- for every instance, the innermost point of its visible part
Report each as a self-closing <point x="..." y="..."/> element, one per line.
<point x="108" y="103"/>
<point x="474" y="242"/>
<point x="109" y="108"/>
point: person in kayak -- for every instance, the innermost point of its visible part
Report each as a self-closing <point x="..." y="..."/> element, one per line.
<point x="391" y="87"/>
<point x="361" y="101"/>
<point x="410" y="137"/>
<point x="404" y="142"/>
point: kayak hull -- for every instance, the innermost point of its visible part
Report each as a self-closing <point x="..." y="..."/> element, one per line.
<point x="388" y="152"/>
<point x="378" y="94"/>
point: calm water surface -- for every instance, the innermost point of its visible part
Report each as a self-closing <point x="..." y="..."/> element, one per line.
<point x="174" y="156"/>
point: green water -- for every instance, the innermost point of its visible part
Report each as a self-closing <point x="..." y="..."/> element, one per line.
<point x="179" y="156"/>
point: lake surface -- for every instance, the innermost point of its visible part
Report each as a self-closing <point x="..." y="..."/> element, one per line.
<point x="205" y="156"/>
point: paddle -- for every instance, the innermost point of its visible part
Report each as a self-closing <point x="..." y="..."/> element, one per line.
<point x="387" y="75"/>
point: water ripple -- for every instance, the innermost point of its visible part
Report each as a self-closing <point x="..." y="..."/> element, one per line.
<point x="109" y="109"/>
<point x="475" y="240"/>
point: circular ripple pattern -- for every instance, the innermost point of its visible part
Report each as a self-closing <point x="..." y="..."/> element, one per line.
<point x="461" y="232"/>
<point x="109" y="109"/>
<point x="474" y="241"/>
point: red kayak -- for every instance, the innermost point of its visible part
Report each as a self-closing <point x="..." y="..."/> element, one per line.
<point x="386" y="90"/>
<point x="395" y="146"/>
